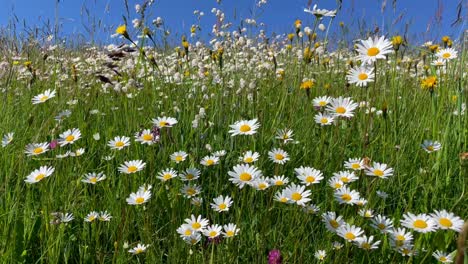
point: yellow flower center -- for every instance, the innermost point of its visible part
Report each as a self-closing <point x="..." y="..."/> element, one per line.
<point x="44" y="98"/>
<point x="346" y="197"/>
<point x="344" y="179"/>
<point x="420" y="224"/>
<point x="355" y="166"/>
<point x="366" y="245"/>
<point x="334" y="223"/>
<point x="381" y="226"/>
<point x="167" y="176"/>
<point x="191" y="191"/>
<point x="445" y="222"/>
<point x="188" y="232"/>
<point x="283" y="199"/>
<point x="430" y="148"/>
<point x="400" y="238"/>
<point x="362" y="76"/>
<point x="248" y="160"/>
<point x="279" y="183"/>
<point x="374" y="51"/>
<point x="296" y="196"/>
<point x="245" y="128"/>
<point x="91" y="218"/>
<point x="222" y="206"/>
<point x="139" y="200"/>
<point x="213" y="233"/>
<point x="262" y="186"/>
<point x="245" y="176"/>
<point x="350" y="236"/>
<point x="132" y="169"/>
<point x="40" y="177"/>
<point x="178" y="158"/>
<point x="196" y="225"/>
<point x="322" y="103"/>
<point x="162" y="123"/>
<point x="93" y="180"/>
<point x="209" y="162"/>
<point x="138" y="251"/>
<point x="279" y="156"/>
<point x="340" y="110"/>
<point x="229" y="233"/>
<point x="119" y="144"/>
<point x="38" y="150"/>
<point x="189" y="176"/>
<point x="310" y="179"/>
<point x="324" y="120"/>
<point x="70" y="138"/>
<point x="446" y="55"/>
<point x="442" y="259"/>
<point x="378" y="173"/>
<point x="338" y="185"/>
<point x="147" y="137"/>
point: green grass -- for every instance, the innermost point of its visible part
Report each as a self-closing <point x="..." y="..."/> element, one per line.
<point x="421" y="183"/>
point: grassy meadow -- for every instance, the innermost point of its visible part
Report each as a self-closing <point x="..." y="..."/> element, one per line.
<point x="201" y="106"/>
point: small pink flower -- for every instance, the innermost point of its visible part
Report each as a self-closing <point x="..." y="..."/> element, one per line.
<point x="53" y="144"/>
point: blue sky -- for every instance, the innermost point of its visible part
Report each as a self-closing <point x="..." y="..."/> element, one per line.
<point x="278" y="15"/>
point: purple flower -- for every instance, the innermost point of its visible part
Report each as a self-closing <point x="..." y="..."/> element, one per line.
<point x="53" y="144"/>
<point x="274" y="257"/>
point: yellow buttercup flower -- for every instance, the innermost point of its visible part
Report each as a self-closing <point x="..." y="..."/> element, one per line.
<point x="121" y="30"/>
<point x="429" y="82"/>
<point x="307" y="84"/>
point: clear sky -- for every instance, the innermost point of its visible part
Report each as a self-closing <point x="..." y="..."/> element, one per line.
<point x="428" y="19"/>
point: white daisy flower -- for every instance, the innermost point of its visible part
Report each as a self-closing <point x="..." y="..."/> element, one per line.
<point x="361" y="76"/>
<point x="140" y="248"/>
<point x="447" y="54"/>
<point x="41" y="98"/>
<point x="345" y="195"/>
<point x="209" y="161"/>
<point x="91" y="216"/>
<point x="421" y="223"/>
<point x="297" y="194"/>
<point x="308" y="175"/>
<point x="212" y="231"/>
<point x="446" y="220"/>
<point x="119" y="142"/>
<point x="190" y="174"/>
<point x="244" y="127"/>
<point x="431" y="146"/>
<point x="278" y="156"/>
<point x="342" y="107"/>
<point x="7" y="139"/>
<point x="93" y="177"/>
<point x="380" y="170"/>
<point x="349" y="232"/>
<point x="230" y="230"/>
<point x="167" y="174"/>
<point x="164" y="122"/>
<point x="39" y="174"/>
<point x="35" y="149"/>
<point x="140" y="197"/>
<point x="249" y="157"/>
<point x="221" y="204"/>
<point x="198" y="223"/>
<point x="132" y="166"/>
<point x="69" y="137"/>
<point x="371" y="50"/>
<point x="244" y="174"/>
<point x="324" y="119"/>
<point x="178" y="156"/>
